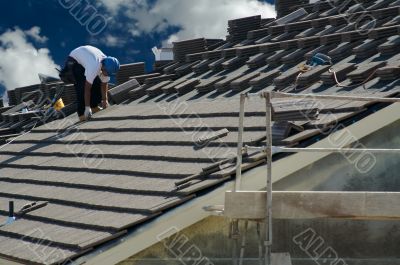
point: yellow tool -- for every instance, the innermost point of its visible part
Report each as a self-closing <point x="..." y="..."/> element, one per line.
<point x="59" y="105"/>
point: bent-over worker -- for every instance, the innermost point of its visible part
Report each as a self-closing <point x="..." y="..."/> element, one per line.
<point x="90" y="70"/>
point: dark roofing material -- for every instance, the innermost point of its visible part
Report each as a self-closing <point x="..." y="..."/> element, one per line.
<point x="182" y="48"/>
<point x="128" y="70"/>
<point x="121" y="169"/>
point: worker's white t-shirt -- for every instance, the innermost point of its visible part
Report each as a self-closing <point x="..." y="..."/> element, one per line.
<point x="90" y="58"/>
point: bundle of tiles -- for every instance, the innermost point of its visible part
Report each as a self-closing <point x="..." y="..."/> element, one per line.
<point x="285" y="7"/>
<point x="391" y="46"/>
<point x="69" y="95"/>
<point x="122" y="93"/>
<point x="364" y="71"/>
<point x="214" y="43"/>
<point x="238" y="28"/>
<point x="128" y="70"/>
<point x="12" y="97"/>
<point x="16" y="96"/>
<point x="158" y="66"/>
<point x="40" y="93"/>
<point x="207" y="85"/>
<point x="183" y="48"/>
<point x="389" y="72"/>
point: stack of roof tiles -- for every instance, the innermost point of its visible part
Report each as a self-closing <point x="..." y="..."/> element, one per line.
<point x="152" y="153"/>
<point x="128" y="70"/>
<point x="41" y="92"/>
<point x="16" y="95"/>
<point x="211" y="43"/>
<point x="238" y="28"/>
<point x="182" y="48"/>
<point x="26" y="107"/>
<point x="159" y="65"/>
<point x="69" y="95"/>
<point x="285" y="7"/>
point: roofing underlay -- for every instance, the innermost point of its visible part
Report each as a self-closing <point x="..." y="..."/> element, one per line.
<point x="175" y="133"/>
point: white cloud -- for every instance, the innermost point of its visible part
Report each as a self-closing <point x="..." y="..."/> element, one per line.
<point x="112" y="41"/>
<point x="34" y="33"/>
<point x="115" y="5"/>
<point x="20" y="61"/>
<point x="200" y="18"/>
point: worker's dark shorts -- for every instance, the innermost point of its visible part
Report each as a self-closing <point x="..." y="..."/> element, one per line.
<point x="80" y="80"/>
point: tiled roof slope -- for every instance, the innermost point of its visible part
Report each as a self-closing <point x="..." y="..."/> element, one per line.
<point x="135" y="160"/>
<point x="109" y="174"/>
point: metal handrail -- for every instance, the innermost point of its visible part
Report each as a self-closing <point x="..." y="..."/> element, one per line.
<point x="269" y="148"/>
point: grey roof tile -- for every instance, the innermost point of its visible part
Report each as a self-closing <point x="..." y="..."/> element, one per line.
<point x="367" y="48"/>
<point x="234" y="63"/>
<point x="119" y="93"/>
<point x="341" y="69"/>
<point x="85" y="198"/>
<point x="34" y="252"/>
<point x="187" y="86"/>
<point x="257" y="60"/>
<point x="207" y="85"/>
<point x="363" y="71"/>
<point x="217" y="65"/>
<point x="343" y="50"/>
<point x="276" y="58"/>
<point x="243" y="82"/>
<point x="312" y="76"/>
<point x="389" y="72"/>
<point x="264" y="79"/>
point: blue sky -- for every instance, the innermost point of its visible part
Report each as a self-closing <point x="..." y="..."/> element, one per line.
<point x="37" y="35"/>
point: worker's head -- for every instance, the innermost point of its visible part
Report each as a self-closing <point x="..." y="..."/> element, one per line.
<point x="110" y="65"/>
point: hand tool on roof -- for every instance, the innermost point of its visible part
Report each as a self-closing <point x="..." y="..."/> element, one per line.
<point x="29" y="207"/>
<point x="320" y="59"/>
<point x="51" y="110"/>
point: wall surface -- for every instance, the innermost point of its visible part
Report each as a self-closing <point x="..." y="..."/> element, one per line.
<point x="325" y="241"/>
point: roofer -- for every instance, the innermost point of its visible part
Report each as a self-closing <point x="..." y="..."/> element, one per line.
<point x="89" y="69"/>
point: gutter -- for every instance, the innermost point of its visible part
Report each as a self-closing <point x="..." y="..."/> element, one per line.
<point x="191" y="212"/>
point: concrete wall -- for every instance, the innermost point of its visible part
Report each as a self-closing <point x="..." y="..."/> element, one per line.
<point x="356" y="242"/>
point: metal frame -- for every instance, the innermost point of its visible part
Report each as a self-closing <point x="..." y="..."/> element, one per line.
<point x="268" y="229"/>
<point x="238" y="179"/>
<point x="268" y="96"/>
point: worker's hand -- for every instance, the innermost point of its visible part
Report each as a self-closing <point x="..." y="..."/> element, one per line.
<point x="88" y="113"/>
<point x="105" y="104"/>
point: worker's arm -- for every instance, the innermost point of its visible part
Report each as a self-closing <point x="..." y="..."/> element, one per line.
<point x="87" y="94"/>
<point x="104" y="95"/>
